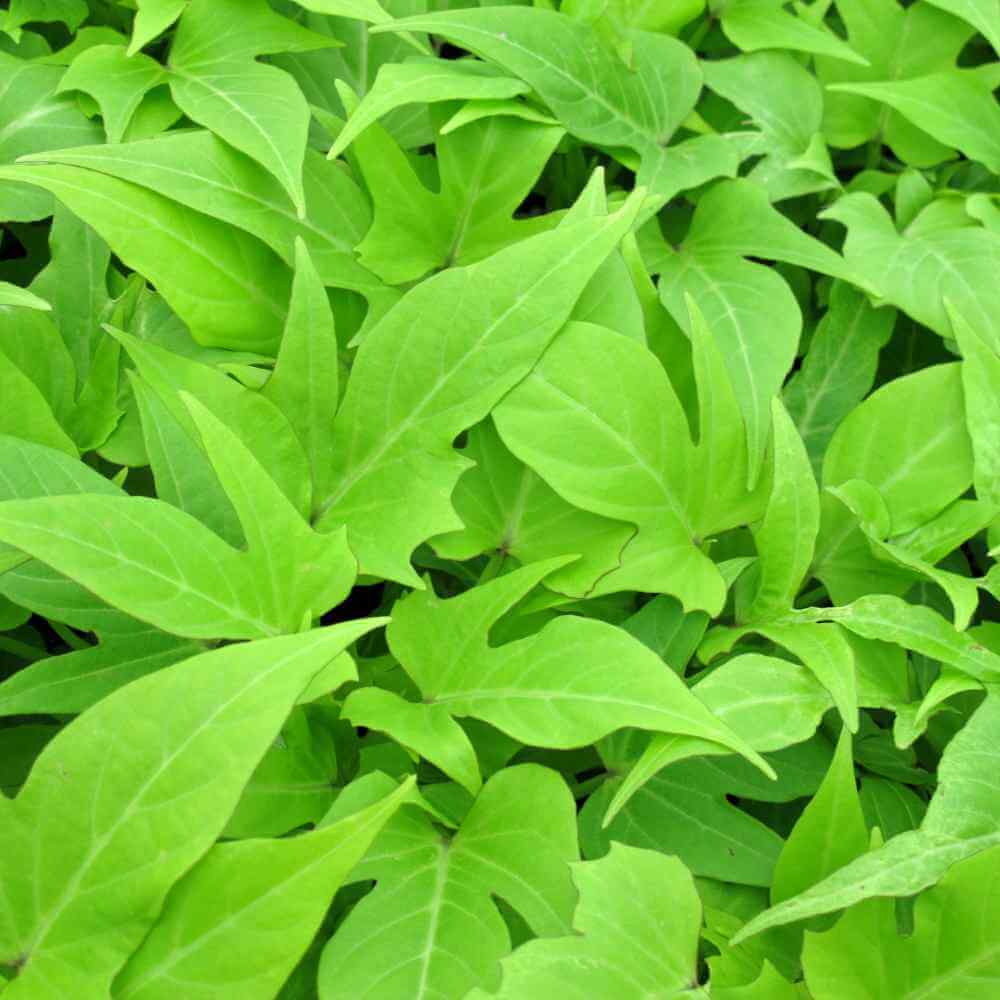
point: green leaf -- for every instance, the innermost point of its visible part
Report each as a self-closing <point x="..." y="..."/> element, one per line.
<point x="588" y="88"/>
<point x="35" y="119"/>
<point x="639" y="464"/>
<point x="12" y="295"/>
<point x="786" y="535"/>
<point x="683" y="811"/>
<point x="431" y="368"/>
<point x="259" y="899"/>
<point x="100" y="778"/>
<point x="424" y="81"/>
<point x="117" y="81"/>
<point x="299" y="573"/>
<point x="920" y="629"/>
<point x="152" y="18"/>
<point x="70" y="12"/>
<point x="962" y="821"/>
<point x="920" y="273"/>
<point x="305" y="382"/>
<point x="508" y="509"/>
<point x="900" y="44"/>
<point x="415" y="230"/>
<point x="980" y="380"/>
<point x="70" y="683"/>
<point x="739" y="693"/>
<point x="255" y="420"/>
<point x="26" y="413"/>
<point x="430" y="927"/>
<point x="637" y="927"/>
<point x="830" y="832"/>
<point x="785" y="102"/>
<point x="838" y="370"/>
<point x="951" y="952"/>
<point x="908" y="440"/>
<point x="764" y="24"/>
<point x="257" y="108"/>
<point x="229" y="288"/>
<point x="426" y="729"/>
<point x="956" y="107"/>
<point x="200" y="171"/>
<point x="145" y="557"/>
<point x="573" y="682"/>
<point x="983" y="15"/>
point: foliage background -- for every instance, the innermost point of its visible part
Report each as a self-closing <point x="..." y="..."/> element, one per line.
<point x="499" y="500"/>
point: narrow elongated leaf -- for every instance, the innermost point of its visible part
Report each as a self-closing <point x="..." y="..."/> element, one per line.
<point x="257" y="902"/>
<point x="199" y="170"/>
<point x="229" y="288"/>
<point x="830" y="832"/>
<point x="72" y="682"/>
<point x="786" y="535"/>
<point x="424" y="81"/>
<point x="100" y="778"/>
<point x="145" y="557"/>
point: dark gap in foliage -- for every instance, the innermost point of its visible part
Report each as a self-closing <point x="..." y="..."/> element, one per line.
<point x="449" y="51"/>
<point x="359" y="603"/>
<point x="54" y="643"/>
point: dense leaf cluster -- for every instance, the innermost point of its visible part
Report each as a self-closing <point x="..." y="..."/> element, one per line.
<point x="499" y="501"/>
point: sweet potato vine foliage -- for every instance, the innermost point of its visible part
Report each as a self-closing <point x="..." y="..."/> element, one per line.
<point x="499" y="501"/>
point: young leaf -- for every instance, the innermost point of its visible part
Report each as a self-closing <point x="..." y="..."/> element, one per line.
<point x="426" y="729"/>
<point x="77" y="830"/>
<point x="469" y="217"/>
